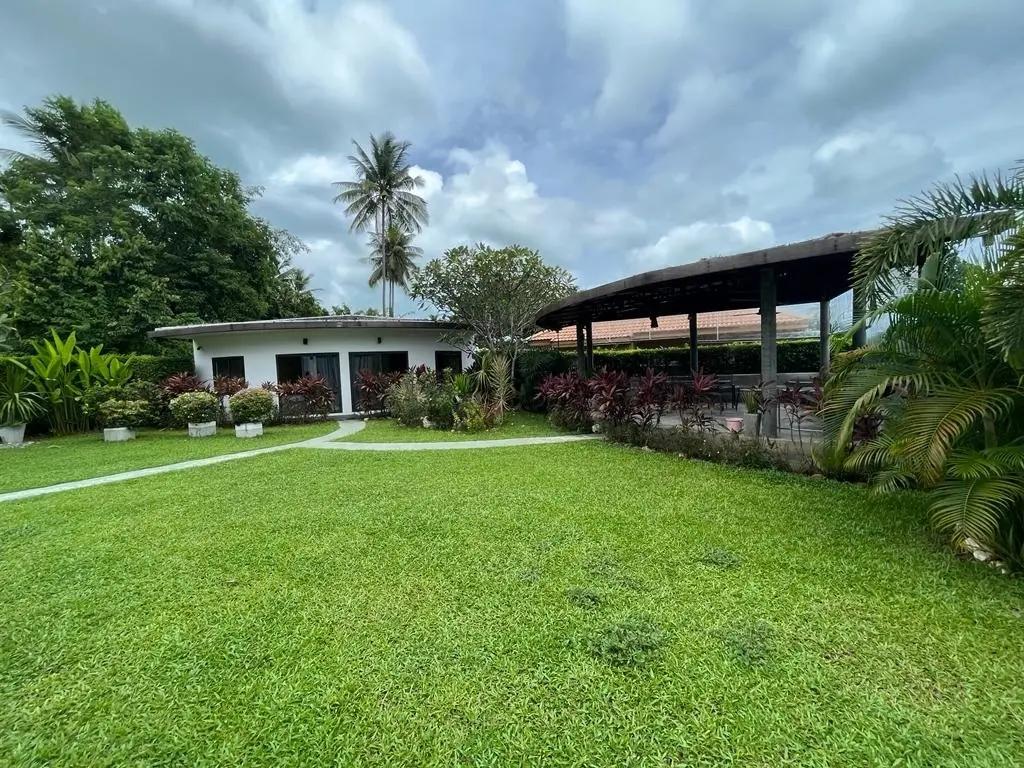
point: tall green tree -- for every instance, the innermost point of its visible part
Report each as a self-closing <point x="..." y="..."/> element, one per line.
<point x="393" y="260"/>
<point x="947" y="377"/>
<point x="494" y="293"/>
<point x="383" y="195"/>
<point x="119" y="230"/>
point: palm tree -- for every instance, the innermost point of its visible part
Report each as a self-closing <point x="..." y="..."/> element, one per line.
<point x="947" y="377"/>
<point x="393" y="259"/>
<point x="382" y="195"/>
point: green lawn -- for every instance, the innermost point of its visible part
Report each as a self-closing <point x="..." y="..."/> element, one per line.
<point x="48" y="461"/>
<point x="517" y="424"/>
<point x="481" y="608"/>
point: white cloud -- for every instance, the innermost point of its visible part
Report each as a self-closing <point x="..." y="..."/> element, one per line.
<point x="690" y="242"/>
<point x="311" y="171"/>
<point x="356" y="58"/>
<point x="637" y="44"/>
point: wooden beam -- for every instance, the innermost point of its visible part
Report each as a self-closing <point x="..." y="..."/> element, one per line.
<point x="581" y="360"/>
<point x="694" y="362"/>
<point x="769" y="351"/>
<point x="590" y="348"/>
<point x="823" y="326"/>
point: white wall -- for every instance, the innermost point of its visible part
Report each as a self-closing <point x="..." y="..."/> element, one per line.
<point x="260" y="348"/>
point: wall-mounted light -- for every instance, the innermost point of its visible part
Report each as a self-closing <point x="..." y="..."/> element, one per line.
<point x="380" y="340"/>
<point x="305" y="340"/>
<point x="654" y="322"/>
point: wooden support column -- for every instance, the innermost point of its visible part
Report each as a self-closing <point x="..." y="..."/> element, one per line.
<point x="860" y="336"/>
<point x="769" y="352"/>
<point x="694" y="362"/>
<point x="581" y="357"/>
<point x="590" y="348"/>
<point x="823" y="326"/>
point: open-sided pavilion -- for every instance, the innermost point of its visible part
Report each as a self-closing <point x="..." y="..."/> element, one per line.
<point x="798" y="273"/>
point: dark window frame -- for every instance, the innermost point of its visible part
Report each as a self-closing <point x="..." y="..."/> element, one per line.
<point x="229" y="365"/>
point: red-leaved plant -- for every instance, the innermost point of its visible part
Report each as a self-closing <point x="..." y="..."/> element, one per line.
<point x="568" y="398"/>
<point x="180" y="383"/>
<point x="225" y="386"/>
<point x="611" y="396"/>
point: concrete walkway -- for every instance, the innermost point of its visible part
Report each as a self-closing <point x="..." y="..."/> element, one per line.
<point x="454" y="445"/>
<point x="345" y="428"/>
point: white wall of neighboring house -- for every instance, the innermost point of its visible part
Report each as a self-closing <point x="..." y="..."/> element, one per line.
<point x="260" y="350"/>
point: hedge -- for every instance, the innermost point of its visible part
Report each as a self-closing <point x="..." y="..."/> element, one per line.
<point x="795" y="355"/>
<point x="156" y="368"/>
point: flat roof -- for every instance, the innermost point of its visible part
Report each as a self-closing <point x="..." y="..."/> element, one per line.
<point x="300" y="324"/>
<point x="805" y="272"/>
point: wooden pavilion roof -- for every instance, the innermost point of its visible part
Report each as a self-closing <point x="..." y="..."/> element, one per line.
<point x="805" y="272"/>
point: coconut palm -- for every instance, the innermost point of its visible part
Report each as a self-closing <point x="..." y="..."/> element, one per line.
<point x="383" y="195"/>
<point x="947" y="377"/>
<point x="396" y="254"/>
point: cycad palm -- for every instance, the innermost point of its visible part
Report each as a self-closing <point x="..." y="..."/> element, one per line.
<point x="382" y="194"/>
<point x="393" y="260"/>
<point x="947" y="375"/>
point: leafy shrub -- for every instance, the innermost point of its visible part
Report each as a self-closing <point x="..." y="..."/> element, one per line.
<point x="251" y="405"/>
<point x="373" y="390"/>
<point x="471" y="416"/>
<point x="568" y="397"/>
<point x="182" y="382"/>
<point x="225" y="386"/>
<point x="628" y="643"/>
<point x="535" y="365"/>
<point x="582" y="597"/>
<point x="122" y="413"/>
<point x="156" y="413"/>
<point x="706" y="446"/>
<point x="309" y="397"/>
<point x="407" y="400"/>
<point x="195" y="407"/>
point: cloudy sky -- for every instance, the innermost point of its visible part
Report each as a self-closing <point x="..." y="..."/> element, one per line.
<point x="612" y="135"/>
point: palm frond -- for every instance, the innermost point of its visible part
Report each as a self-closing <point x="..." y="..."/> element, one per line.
<point x="1003" y="314"/>
<point x="974" y="508"/>
<point x="951" y="213"/>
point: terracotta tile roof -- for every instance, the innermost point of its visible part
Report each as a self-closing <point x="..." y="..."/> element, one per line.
<point x="731" y="325"/>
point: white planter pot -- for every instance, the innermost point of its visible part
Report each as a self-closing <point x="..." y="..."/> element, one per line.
<point x="249" y="429"/>
<point x="750" y="421"/>
<point x="13" y="435"/>
<point x="118" y="434"/>
<point x="734" y="424"/>
<point x="203" y="429"/>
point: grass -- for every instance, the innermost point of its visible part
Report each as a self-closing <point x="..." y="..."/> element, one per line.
<point x="516" y="424"/>
<point x="547" y="605"/>
<point x="52" y="460"/>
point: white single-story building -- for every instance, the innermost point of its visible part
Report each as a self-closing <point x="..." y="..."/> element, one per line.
<point x="335" y="347"/>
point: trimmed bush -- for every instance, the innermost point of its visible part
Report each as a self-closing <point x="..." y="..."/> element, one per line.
<point x="122" y="413"/>
<point x="251" y="406"/>
<point x="195" y="407"/>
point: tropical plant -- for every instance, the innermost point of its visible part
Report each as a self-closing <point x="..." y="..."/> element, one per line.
<point x="946" y="379"/>
<point x="569" y="398"/>
<point x="495" y="385"/>
<point x="383" y="195"/>
<point x="64" y="372"/>
<point x="197" y="407"/>
<point x="251" y="405"/>
<point x="180" y="383"/>
<point x="19" y="403"/>
<point x="393" y="259"/>
<point x="122" y="413"/>
<point x="225" y="386"/>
